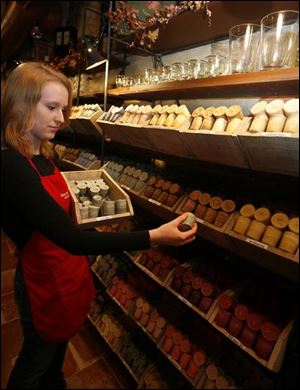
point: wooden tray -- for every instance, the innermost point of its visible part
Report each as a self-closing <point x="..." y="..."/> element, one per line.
<point x="270" y="152"/>
<point x="275" y="361"/>
<point x="89" y="125"/>
<point x="168" y="141"/>
<point x="271" y="258"/>
<point x="116" y="192"/>
<point x="206" y="145"/>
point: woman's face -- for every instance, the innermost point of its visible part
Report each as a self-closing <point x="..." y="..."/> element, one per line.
<point x="49" y="113"/>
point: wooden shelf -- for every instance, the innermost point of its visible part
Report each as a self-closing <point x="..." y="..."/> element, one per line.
<point x="281" y="82"/>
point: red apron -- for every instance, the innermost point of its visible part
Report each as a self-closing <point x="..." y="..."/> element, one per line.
<point x="60" y="285"/>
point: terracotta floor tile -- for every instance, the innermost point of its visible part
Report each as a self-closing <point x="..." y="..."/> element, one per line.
<point x="9" y="309"/>
<point x="11" y="343"/>
<point x="7" y="281"/>
<point x="98" y="376"/>
<point x="70" y="367"/>
<point x="88" y="346"/>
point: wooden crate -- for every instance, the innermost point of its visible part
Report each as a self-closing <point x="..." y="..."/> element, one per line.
<point x="271" y="258"/>
<point x="168" y="283"/>
<point x="275" y="361"/>
<point x="209" y="231"/>
<point x="115" y="131"/>
<point x="167" y="141"/>
<point x="89" y="126"/>
<point x="206" y="145"/>
<point x="270" y="152"/>
<point x="115" y="192"/>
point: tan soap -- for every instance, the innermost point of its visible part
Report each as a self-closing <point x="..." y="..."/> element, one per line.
<point x="179" y="120"/>
<point x="234" y="111"/>
<point x="291" y="110"/>
<point x="188" y="223"/>
<point x="289" y="242"/>
<point x="161" y="119"/>
<point x="221" y="218"/>
<point x="247" y="210"/>
<point x="294" y="225"/>
<point x="198" y="112"/>
<point x="216" y="202"/>
<point x="276" y="116"/>
<point x="208" y="119"/>
<point x="280" y="221"/>
<point x="196" y="123"/>
<point x="170" y="119"/>
<point x="256" y="230"/>
<point x="172" y="109"/>
<point x="228" y="206"/>
<point x="263" y="215"/>
<point x="154" y="119"/>
<point x="242" y="225"/>
<point x="260" y="120"/>
<point x="271" y="236"/>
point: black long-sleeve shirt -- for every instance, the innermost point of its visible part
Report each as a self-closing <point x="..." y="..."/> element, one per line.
<point x="27" y="207"/>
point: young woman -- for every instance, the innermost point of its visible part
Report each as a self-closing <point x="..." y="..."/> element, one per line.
<point x="53" y="284"/>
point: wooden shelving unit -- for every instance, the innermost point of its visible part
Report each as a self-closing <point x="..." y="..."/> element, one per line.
<point x="281" y="82"/>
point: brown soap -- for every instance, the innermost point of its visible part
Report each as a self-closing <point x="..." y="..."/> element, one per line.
<point x="204" y="198"/>
<point x="221" y="218"/>
<point x="210" y="215"/>
<point x="189" y="206"/>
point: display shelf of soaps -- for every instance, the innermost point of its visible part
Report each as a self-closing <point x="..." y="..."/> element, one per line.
<point x="265" y="255"/>
<point x="115" y="193"/>
<point x="280" y="82"/>
<point x="267" y="151"/>
<point x="270" y="352"/>
<point x="116" y="352"/>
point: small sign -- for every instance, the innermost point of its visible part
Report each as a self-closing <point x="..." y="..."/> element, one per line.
<point x="199" y="220"/>
<point x="154" y="202"/>
<point x="257" y="243"/>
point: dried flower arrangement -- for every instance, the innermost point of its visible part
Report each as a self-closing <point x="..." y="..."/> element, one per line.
<point x="125" y="19"/>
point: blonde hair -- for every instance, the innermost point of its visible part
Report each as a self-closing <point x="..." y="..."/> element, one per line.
<point x="21" y="94"/>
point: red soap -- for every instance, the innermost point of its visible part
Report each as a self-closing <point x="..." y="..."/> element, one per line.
<point x="207" y="289"/>
<point x="241" y="312"/>
<point x="185" y="290"/>
<point x="166" y="262"/>
<point x="192" y="369"/>
<point x="184" y="360"/>
<point x="248" y="336"/>
<point x="199" y="358"/>
<point x="205" y="304"/>
<point x="226" y="302"/>
<point x="270" y="331"/>
<point x="255" y="321"/>
<point x="115" y="280"/>
<point x="167" y="345"/>
<point x="195" y="297"/>
<point x="150" y="265"/>
<point x="176" y="352"/>
<point x="143" y="260"/>
<point x="197" y="282"/>
<point x="222" y="318"/>
<point x="179" y="271"/>
<point x="113" y="290"/>
<point x="123" y="299"/>
<point x="185" y="345"/>
<point x="187" y="277"/>
<point x="235" y="327"/>
<point x="156" y="269"/>
<point x="177" y="337"/>
<point x="128" y="304"/>
<point x="164" y="272"/>
<point x="170" y="331"/>
<point x="176" y="284"/>
<point x="263" y="347"/>
<point x="144" y="319"/>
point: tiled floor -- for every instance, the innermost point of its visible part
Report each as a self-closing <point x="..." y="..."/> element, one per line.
<point x="89" y="362"/>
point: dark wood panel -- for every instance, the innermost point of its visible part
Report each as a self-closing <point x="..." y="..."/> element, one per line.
<point x="191" y="28"/>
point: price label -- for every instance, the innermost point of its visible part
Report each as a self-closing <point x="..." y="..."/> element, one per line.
<point x="154" y="202"/>
<point x="199" y="220"/>
<point x="257" y="243"/>
<point x="276" y="134"/>
<point x="126" y="188"/>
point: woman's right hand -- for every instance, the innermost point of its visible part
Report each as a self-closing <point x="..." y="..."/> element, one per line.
<point x="169" y="234"/>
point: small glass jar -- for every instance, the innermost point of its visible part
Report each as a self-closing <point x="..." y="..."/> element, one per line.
<point x="203" y="69"/>
<point x="193" y="69"/>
